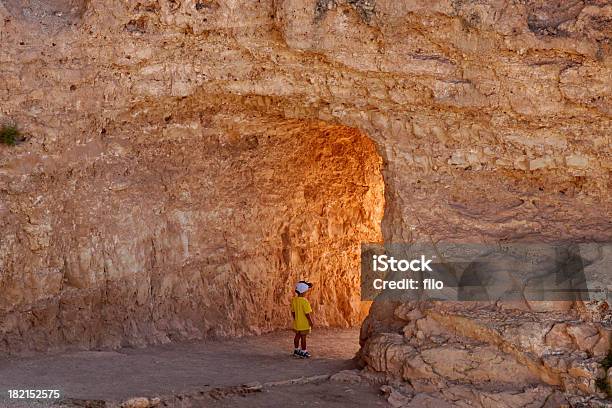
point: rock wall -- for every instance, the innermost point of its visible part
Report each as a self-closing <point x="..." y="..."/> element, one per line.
<point x="198" y="225"/>
<point x="146" y="124"/>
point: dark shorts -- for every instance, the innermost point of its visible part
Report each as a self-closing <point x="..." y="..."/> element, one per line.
<point x="302" y="332"/>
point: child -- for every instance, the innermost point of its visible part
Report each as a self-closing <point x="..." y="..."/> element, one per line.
<point x="302" y="318"/>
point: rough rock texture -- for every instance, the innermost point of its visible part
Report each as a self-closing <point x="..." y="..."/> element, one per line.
<point x="504" y="349"/>
<point x="176" y="170"/>
<point x="187" y="229"/>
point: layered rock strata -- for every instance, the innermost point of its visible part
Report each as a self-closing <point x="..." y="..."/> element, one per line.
<point x="148" y="123"/>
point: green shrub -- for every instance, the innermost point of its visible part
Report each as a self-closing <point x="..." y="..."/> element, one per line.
<point x="9" y="135"/>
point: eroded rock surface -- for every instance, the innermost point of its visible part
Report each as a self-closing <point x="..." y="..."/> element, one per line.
<point x="176" y="170"/>
<point x="189" y="230"/>
<point x="485" y="345"/>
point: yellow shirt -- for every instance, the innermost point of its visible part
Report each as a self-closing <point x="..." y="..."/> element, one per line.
<point x="300" y="307"/>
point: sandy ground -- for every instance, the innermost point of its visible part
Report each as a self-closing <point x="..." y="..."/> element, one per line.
<point x="326" y="395"/>
<point x="196" y="366"/>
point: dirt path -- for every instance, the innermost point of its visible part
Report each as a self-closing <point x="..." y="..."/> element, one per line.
<point x="325" y="395"/>
<point x="181" y="368"/>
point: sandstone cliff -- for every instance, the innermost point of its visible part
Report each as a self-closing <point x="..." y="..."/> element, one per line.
<point x="186" y="159"/>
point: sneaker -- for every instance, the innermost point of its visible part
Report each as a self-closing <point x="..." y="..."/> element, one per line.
<point x="297" y="352"/>
<point x="304" y="354"/>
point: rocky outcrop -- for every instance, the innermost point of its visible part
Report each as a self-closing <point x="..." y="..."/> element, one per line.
<point x="510" y="349"/>
<point x="188" y="159"/>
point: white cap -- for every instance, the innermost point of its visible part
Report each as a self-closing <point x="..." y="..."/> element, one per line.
<point x="301" y="287"/>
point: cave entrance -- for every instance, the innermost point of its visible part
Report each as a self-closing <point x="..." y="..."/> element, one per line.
<point x="247" y="208"/>
<point x="315" y="193"/>
<point x="224" y="215"/>
<point x="340" y="204"/>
